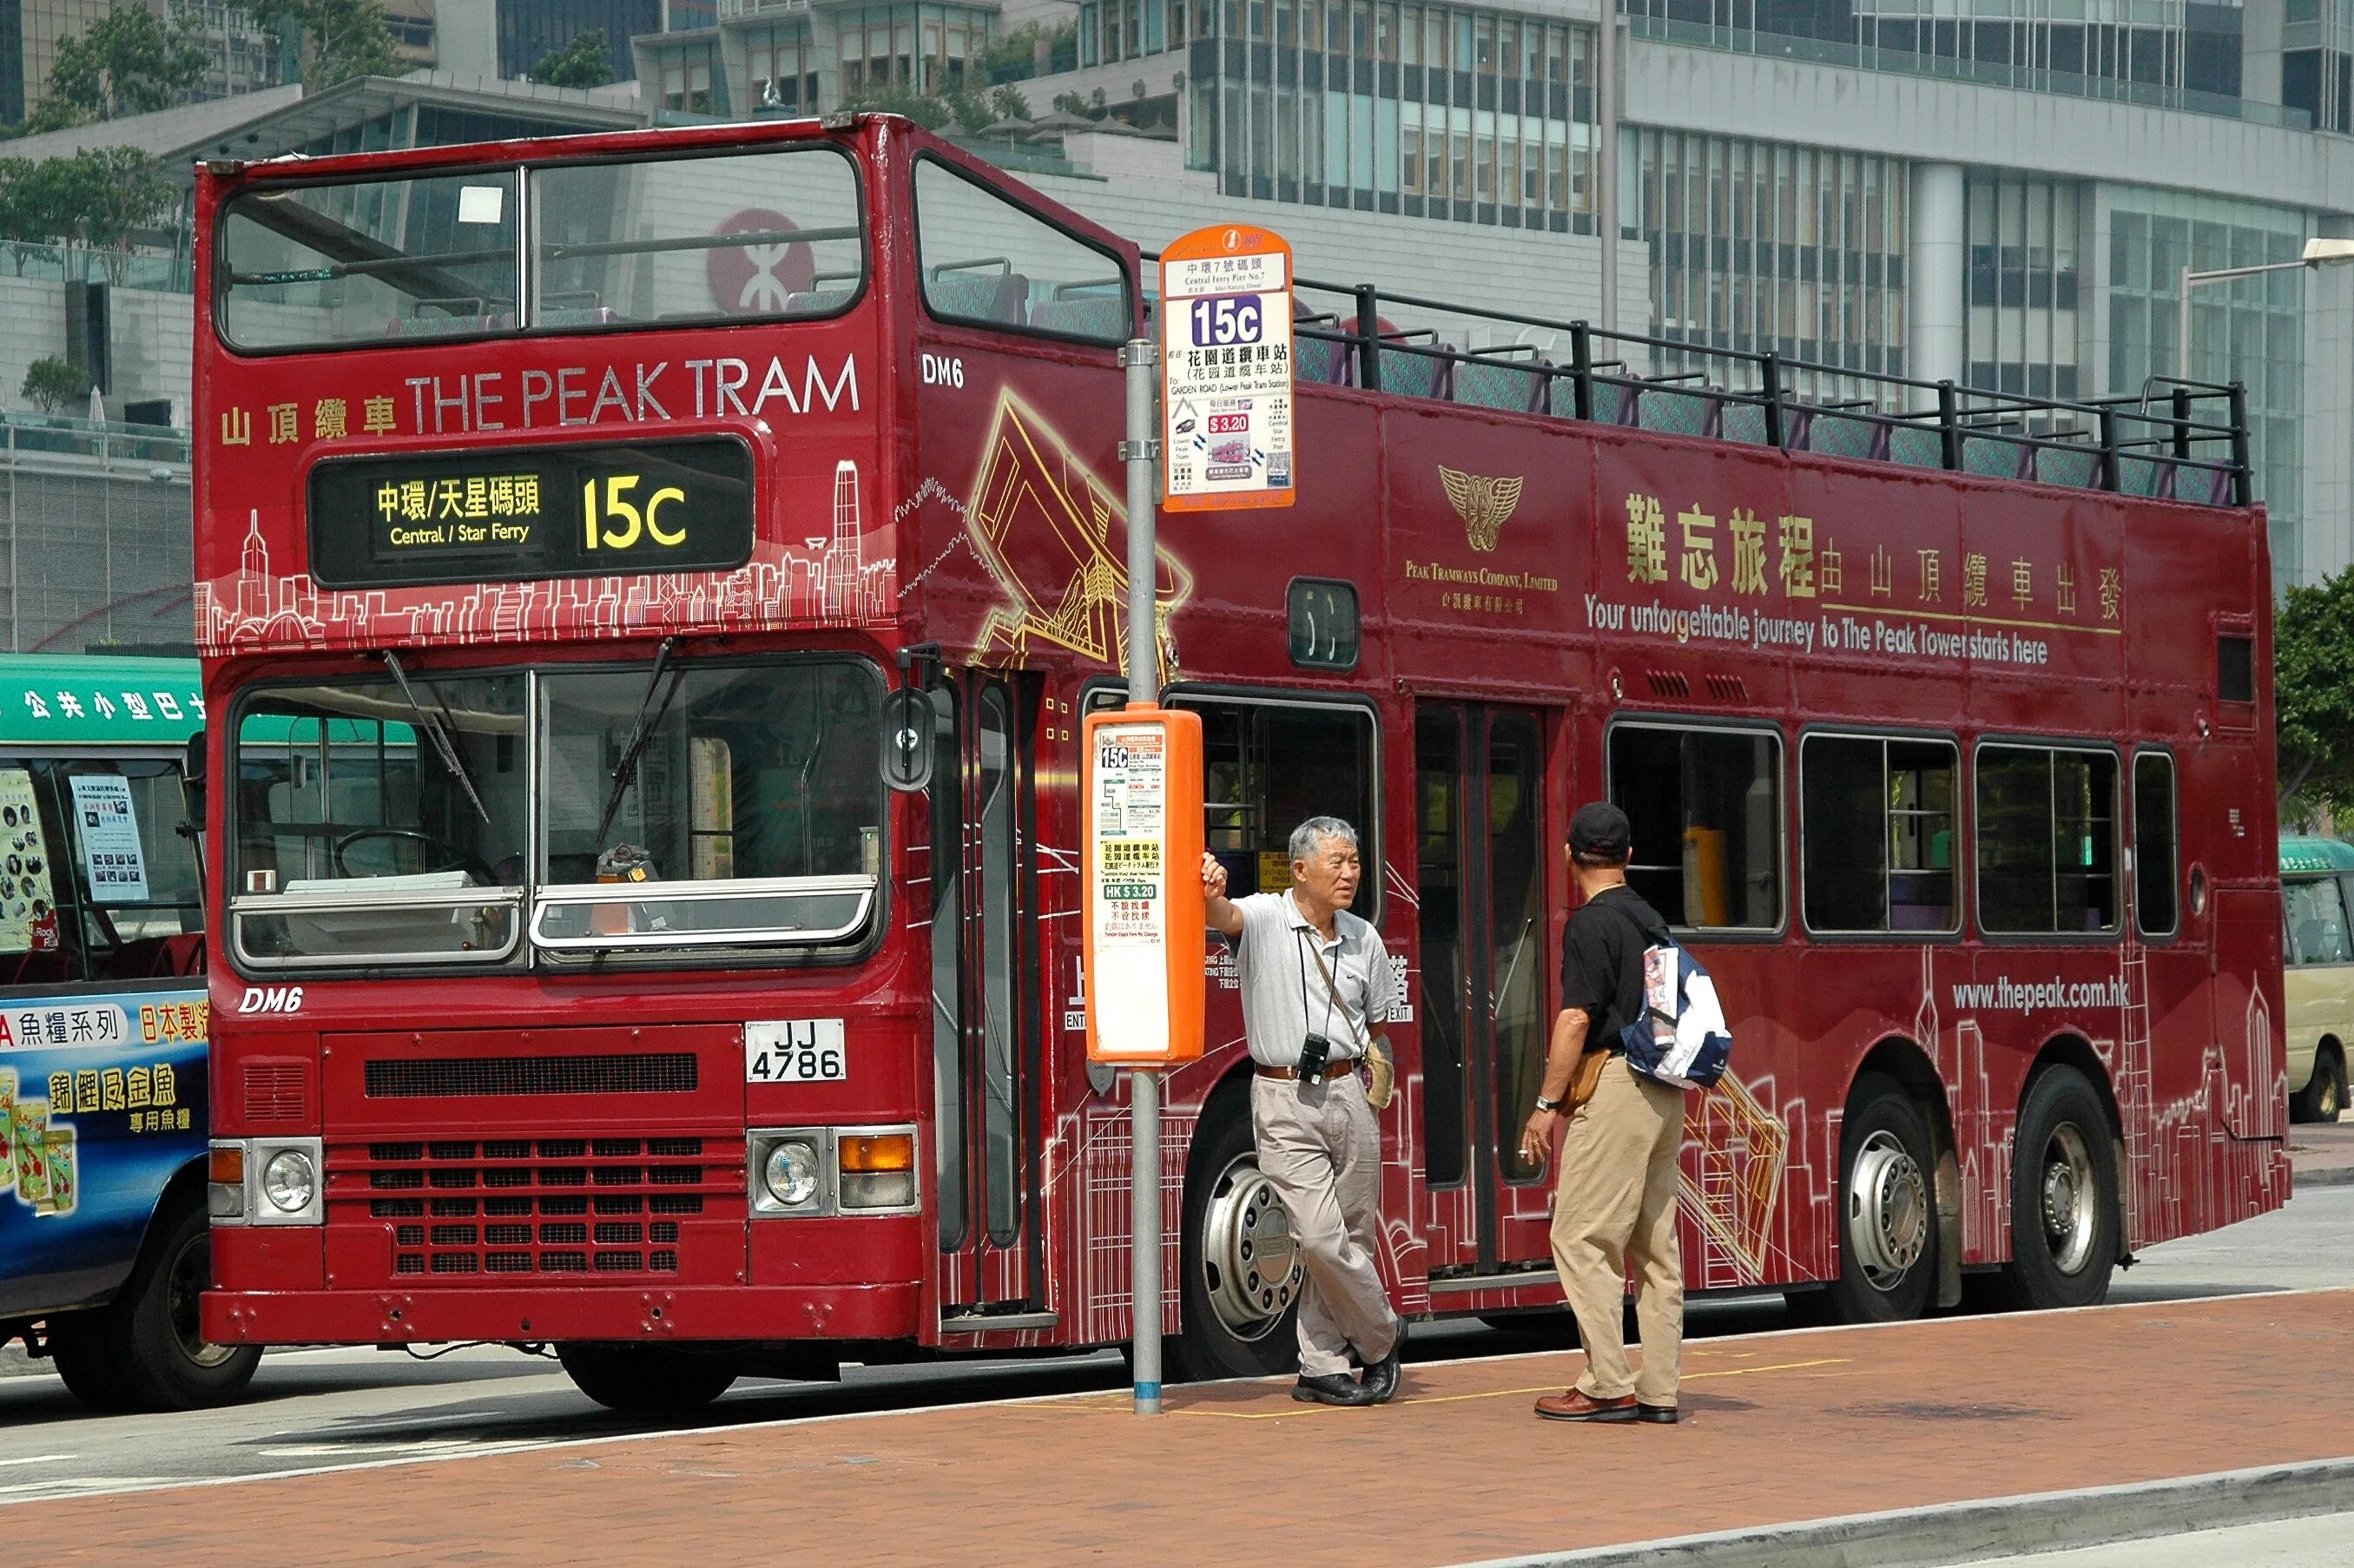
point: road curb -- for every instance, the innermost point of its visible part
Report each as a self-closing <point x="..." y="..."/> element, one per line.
<point x="2328" y="1176"/>
<point x="1946" y="1534"/>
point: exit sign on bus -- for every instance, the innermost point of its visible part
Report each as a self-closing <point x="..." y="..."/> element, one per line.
<point x="1225" y="370"/>
<point x="516" y="513"/>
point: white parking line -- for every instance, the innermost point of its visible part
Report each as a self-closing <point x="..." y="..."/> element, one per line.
<point x="41" y="1459"/>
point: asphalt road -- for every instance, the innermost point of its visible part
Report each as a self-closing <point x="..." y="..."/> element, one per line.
<point x="329" y="1409"/>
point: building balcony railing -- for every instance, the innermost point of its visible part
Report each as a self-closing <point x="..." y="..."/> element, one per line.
<point x="1981" y="73"/>
<point x="151" y="447"/>
<point x="79" y="264"/>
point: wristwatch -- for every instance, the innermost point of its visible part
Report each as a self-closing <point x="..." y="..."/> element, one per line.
<point x="1546" y="1105"/>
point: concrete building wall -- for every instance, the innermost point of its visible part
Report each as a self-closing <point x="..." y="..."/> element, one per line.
<point x="152" y="340"/>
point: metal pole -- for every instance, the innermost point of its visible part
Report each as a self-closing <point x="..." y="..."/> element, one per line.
<point x="2182" y="331"/>
<point x="1140" y="450"/>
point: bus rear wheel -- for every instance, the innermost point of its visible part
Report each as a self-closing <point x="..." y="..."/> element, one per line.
<point x="1241" y="1271"/>
<point x="1888" y="1211"/>
<point x="649" y="1380"/>
<point x="2063" y="1197"/>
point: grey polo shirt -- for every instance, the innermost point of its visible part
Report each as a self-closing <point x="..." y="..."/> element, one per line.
<point x="1283" y="996"/>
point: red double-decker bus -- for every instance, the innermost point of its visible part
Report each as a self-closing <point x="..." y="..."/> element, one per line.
<point x="609" y="954"/>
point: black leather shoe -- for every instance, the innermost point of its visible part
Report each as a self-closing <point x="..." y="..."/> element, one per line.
<point x="1330" y="1388"/>
<point x="1382" y="1377"/>
<point x="1658" y="1414"/>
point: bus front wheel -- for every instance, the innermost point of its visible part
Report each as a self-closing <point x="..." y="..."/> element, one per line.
<point x="2063" y="1197"/>
<point x="1888" y="1211"/>
<point x="649" y="1380"/>
<point x="144" y="1350"/>
<point x="1242" y="1272"/>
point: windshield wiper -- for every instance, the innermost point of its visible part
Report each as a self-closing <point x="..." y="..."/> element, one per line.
<point x="640" y="733"/>
<point x="433" y="724"/>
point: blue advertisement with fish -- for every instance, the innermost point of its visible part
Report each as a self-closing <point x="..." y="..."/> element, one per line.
<point x="103" y="1100"/>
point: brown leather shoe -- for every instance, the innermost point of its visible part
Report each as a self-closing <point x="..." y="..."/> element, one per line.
<point x="1578" y="1405"/>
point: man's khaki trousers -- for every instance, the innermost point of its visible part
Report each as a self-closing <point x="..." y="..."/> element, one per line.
<point x="1616" y="1205"/>
<point x="1319" y="1146"/>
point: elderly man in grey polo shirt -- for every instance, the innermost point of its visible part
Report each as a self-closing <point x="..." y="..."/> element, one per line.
<point x="1316" y="981"/>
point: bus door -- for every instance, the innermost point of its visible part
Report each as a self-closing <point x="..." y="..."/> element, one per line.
<point x="1483" y="848"/>
<point x="985" y="1027"/>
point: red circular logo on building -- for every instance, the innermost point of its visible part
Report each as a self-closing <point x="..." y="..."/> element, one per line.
<point x="757" y="279"/>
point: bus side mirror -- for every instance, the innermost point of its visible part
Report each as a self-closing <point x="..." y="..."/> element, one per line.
<point x="192" y="780"/>
<point x="907" y="740"/>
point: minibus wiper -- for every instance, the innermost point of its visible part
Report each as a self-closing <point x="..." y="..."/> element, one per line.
<point x="431" y="724"/>
<point x="640" y="733"/>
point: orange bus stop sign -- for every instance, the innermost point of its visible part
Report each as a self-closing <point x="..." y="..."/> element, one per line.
<point x="1227" y="431"/>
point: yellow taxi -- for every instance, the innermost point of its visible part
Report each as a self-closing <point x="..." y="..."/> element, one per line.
<point x="2316" y="888"/>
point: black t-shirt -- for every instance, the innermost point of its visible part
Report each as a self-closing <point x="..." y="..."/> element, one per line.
<point x="1601" y="960"/>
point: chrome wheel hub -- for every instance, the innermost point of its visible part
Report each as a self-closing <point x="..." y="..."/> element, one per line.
<point x="1249" y="1260"/>
<point x="2070" y="1219"/>
<point x="1888" y="1211"/>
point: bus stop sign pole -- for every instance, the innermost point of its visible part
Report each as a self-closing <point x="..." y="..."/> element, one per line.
<point x="1140" y="448"/>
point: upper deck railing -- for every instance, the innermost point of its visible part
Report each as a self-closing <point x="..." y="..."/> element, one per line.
<point x="2175" y="440"/>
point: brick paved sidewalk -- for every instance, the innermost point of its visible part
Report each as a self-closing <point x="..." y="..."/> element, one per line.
<point x="1784" y="1427"/>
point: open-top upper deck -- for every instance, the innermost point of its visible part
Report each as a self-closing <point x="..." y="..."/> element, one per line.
<point x="667" y="382"/>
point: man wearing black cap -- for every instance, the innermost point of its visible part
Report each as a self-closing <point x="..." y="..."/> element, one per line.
<point x="1616" y="1201"/>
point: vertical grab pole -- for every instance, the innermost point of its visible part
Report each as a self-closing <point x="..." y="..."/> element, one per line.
<point x="1140" y="449"/>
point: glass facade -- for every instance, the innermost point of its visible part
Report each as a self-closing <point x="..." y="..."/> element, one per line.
<point x="910" y="48"/>
<point x="2021" y="331"/>
<point x="2318" y="60"/>
<point x="1428" y="111"/>
<point x="1758" y="246"/>
<point x="2250" y="330"/>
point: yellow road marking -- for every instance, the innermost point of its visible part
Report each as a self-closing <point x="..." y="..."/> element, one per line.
<point x="1505" y="1392"/>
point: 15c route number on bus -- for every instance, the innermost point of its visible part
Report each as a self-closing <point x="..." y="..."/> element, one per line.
<point x="802" y="1050"/>
<point x="1222" y="323"/>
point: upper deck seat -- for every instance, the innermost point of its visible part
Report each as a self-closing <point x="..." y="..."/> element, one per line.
<point x="1411" y="373"/>
<point x="1996" y="458"/>
<point x="1100" y="317"/>
<point x="2077" y="467"/>
<point x="816" y="302"/>
<point x="1325" y="361"/>
<point x="1744" y="422"/>
<point x="970" y="294"/>
<point x="1613" y="404"/>
<point x="1674" y="411"/>
<point x="1490" y="383"/>
<point x="2145" y="476"/>
<point x="1836" y="434"/>
<point x="1918" y="445"/>
<point x="2202" y="486"/>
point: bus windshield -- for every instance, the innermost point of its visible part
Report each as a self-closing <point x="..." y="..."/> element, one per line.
<point x="559" y="815"/>
<point x="734" y="237"/>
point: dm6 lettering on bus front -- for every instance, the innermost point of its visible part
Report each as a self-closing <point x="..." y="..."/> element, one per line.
<point x="797" y="1051"/>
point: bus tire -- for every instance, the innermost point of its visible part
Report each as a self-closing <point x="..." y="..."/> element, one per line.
<point x="1887" y="1209"/>
<point x="1238" y="1320"/>
<point x="143" y="1350"/>
<point x="649" y="1380"/>
<point x="2063" y="1197"/>
<point x="2324" y="1096"/>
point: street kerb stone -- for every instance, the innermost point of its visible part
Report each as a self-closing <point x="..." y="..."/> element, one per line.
<point x="1930" y="1433"/>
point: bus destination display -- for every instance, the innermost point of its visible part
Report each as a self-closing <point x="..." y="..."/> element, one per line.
<point x="516" y="513"/>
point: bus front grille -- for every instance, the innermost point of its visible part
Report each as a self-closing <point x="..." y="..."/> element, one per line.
<point x="598" y="1208"/>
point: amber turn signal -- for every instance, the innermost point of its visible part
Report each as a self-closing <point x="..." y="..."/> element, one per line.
<point x="225" y="1166"/>
<point x="886" y="1151"/>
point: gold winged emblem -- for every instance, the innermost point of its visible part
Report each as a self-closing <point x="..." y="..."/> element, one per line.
<point x="1485" y="504"/>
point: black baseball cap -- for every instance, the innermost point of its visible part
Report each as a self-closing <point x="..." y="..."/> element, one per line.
<point x="1601" y="829"/>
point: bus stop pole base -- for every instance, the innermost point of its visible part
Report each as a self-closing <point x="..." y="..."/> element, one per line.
<point x="1144" y="1246"/>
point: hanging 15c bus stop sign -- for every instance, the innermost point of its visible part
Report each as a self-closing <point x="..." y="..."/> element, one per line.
<point x="1226" y="359"/>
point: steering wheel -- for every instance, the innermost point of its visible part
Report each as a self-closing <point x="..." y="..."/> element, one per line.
<point x="449" y="858"/>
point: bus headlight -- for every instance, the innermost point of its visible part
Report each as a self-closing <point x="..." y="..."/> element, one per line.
<point x="792" y="1173"/>
<point x="290" y="1181"/>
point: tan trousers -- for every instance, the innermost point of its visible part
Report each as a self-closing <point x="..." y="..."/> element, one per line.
<point x="1616" y="1205"/>
<point x="1319" y="1146"/>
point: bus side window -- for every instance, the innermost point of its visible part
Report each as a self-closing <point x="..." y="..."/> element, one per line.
<point x="2154" y="844"/>
<point x="2047" y="839"/>
<point x="1897" y="875"/>
<point x="1267" y="767"/>
<point x="1706" y="807"/>
<point x="990" y="262"/>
